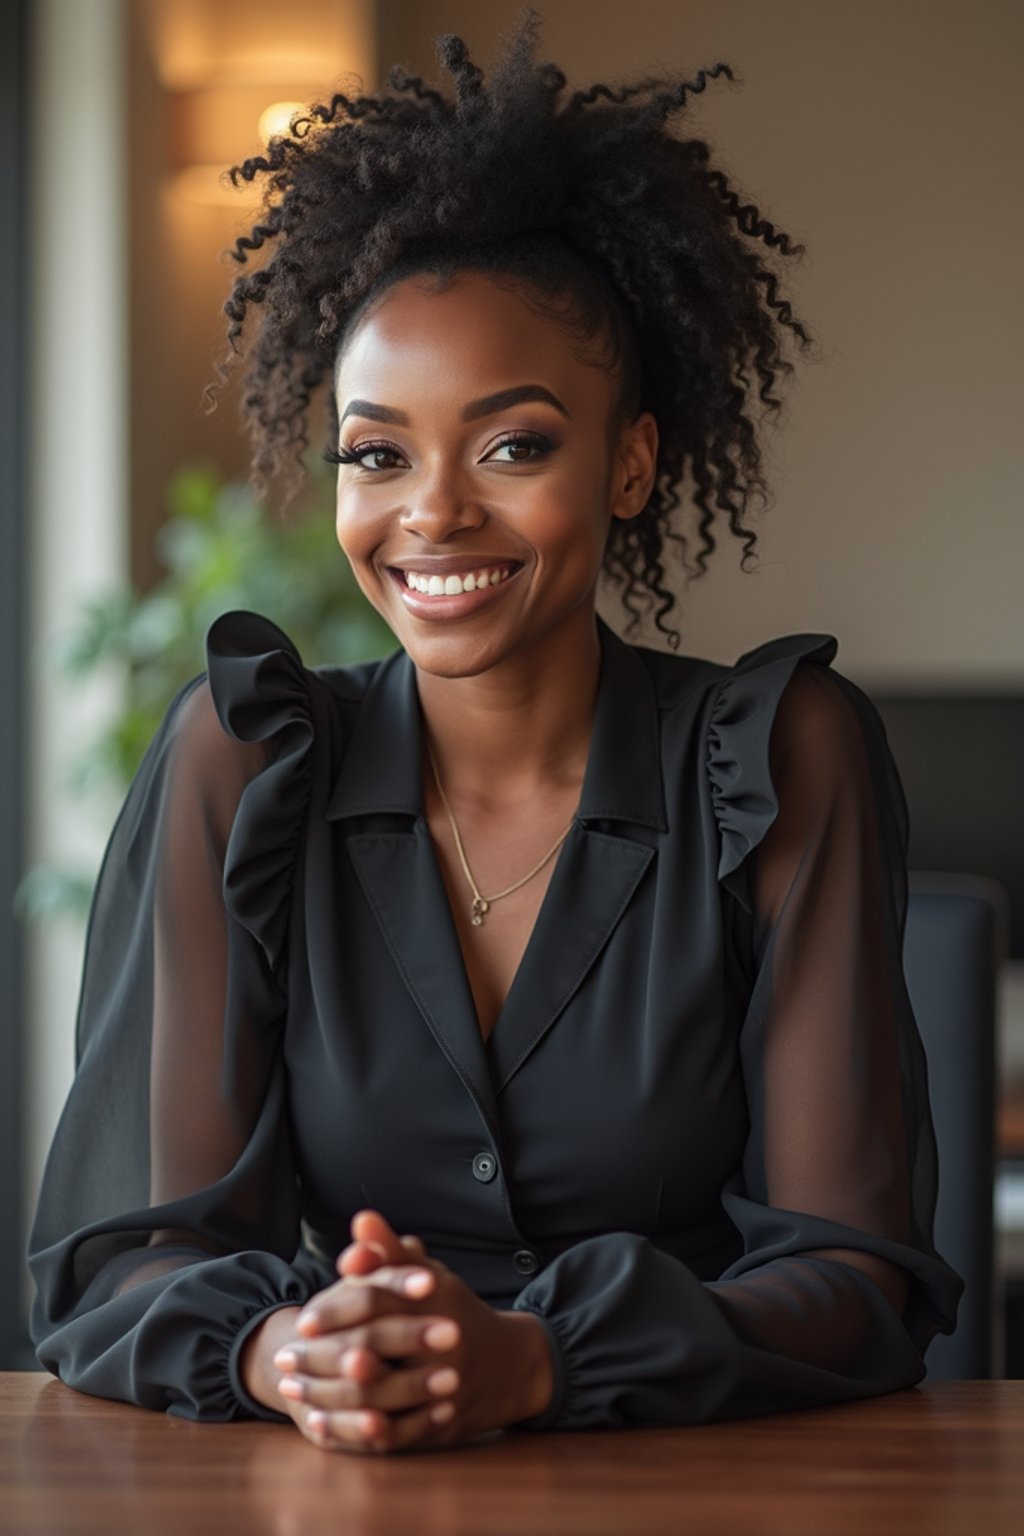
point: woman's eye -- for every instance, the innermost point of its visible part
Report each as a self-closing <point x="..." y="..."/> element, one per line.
<point x="535" y="442"/>
<point x="375" y="451"/>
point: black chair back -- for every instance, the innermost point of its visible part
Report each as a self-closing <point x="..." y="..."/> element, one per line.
<point x="957" y="937"/>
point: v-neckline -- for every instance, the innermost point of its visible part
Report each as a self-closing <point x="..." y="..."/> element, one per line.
<point x="531" y="942"/>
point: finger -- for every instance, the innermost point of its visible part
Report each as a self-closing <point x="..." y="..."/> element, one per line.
<point x="419" y="1425"/>
<point x="416" y="1426"/>
<point x="340" y="1354"/>
<point x="394" y="1391"/>
<point x="372" y="1431"/>
<point x="361" y="1364"/>
<point x="398" y="1336"/>
<point x="360" y="1258"/>
<point x="349" y="1302"/>
<point x="340" y="1431"/>
<point x="370" y="1226"/>
<point x="363" y="1257"/>
<point x="409" y="1279"/>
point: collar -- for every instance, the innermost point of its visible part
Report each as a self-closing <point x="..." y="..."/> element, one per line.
<point x="380" y="771"/>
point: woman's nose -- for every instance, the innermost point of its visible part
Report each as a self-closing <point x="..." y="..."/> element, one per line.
<point x="438" y="509"/>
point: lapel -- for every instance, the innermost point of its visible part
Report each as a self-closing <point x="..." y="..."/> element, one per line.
<point x="596" y="873"/>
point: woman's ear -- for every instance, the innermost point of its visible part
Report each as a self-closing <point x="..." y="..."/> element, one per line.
<point x="635" y="466"/>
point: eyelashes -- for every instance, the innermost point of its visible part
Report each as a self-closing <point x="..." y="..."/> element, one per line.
<point x="344" y="456"/>
<point x="536" y="440"/>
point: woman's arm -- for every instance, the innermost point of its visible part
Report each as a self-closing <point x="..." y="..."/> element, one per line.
<point x="822" y="1040"/>
<point x="168" y="1218"/>
<point x="839" y="1287"/>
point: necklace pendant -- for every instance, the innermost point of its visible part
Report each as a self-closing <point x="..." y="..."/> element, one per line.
<point x="479" y="907"/>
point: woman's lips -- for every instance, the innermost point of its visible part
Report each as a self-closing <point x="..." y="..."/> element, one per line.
<point x="453" y="594"/>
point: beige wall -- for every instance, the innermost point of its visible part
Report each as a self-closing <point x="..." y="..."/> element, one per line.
<point x="179" y="272"/>
<point x="886" y="134"/>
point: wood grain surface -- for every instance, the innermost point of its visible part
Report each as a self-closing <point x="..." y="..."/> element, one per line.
<point x="946" y="1457"/>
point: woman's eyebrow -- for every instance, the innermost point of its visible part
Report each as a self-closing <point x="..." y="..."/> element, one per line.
<point x="500" y="401"/>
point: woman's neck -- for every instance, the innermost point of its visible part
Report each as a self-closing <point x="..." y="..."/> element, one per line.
<point x="517" y="727"/>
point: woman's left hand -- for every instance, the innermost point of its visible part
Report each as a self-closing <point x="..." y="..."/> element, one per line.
<point x="498" y="1369"/>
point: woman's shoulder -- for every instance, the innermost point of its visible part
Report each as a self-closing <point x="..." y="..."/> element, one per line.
<point x="758" y="673"/>
<point x="780" y="701"/>
<point x="259" y="731"/>
<point x="259" y="682"/>
<point x="257" y="703"/>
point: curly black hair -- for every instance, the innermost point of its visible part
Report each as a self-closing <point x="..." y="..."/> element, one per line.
<point x="624" y="233"/>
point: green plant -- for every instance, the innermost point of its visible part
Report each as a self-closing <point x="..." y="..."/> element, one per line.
<point x="220" y="550"/>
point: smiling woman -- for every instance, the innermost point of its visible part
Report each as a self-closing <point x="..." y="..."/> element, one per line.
<point x="511" y="1032"/>
<point x="519" y="485"/>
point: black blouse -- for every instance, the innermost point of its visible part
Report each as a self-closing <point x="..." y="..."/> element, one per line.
<point x="707" y="1068"/>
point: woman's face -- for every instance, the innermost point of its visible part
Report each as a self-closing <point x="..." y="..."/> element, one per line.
<point x="499" y="507"/>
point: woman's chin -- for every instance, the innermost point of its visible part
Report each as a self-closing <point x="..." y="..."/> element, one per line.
<point x="449" y="654"/>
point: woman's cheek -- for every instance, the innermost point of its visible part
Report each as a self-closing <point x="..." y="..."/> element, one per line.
<point x="358" y="538"/>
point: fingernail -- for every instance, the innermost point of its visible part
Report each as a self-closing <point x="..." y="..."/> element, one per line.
<point x="441" y="1336"/>
<point x="420" y="1283"/>
<point x="286" y="1360"/>
<point x="290" y="1386"/>
<point x="317" y="1419"/>
<point x="307" y="1322"/>
<point x="445" y="1380"/>
<point x="441" y="1413"/>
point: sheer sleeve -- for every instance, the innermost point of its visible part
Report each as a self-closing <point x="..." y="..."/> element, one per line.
<point x="168" y="1218"/>
<point x="839" y="1288"/>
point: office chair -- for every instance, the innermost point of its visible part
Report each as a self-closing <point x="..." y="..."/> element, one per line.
<point x="957" y="936"/>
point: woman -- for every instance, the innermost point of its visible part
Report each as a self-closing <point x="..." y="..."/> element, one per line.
<point x="512" y="1032"/>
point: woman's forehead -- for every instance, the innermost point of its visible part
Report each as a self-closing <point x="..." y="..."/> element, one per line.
<point x="473" y="327"/>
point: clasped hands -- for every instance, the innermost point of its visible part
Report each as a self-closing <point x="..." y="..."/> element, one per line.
<point x="400" y="1351"/>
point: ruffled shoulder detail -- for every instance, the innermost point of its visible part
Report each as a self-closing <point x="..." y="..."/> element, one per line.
<point x="739" y="730"/>
<point x="261" y="692"/>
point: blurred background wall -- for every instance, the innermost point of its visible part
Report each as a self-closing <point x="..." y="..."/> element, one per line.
<point x="883" y="133"/>
<point x="198" y="77"/>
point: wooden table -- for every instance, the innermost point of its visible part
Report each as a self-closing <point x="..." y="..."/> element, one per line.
<point x="943" y="1458"/>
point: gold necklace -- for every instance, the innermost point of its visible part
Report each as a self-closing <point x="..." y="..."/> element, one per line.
<point x="481" y="904"/>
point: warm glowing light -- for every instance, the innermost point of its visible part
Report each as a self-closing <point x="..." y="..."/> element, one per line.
<point x="207" y="184"/>
<point x="277" y="118"/>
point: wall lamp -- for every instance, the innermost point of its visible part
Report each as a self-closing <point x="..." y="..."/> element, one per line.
<point x="216" y="126"/>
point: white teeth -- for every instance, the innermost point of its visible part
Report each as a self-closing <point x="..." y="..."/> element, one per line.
<point x="453" y="586"/>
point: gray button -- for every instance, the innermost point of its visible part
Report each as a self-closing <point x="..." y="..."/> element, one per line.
<point x="485" y="1166"/>
<point x="525" y="1261"/>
